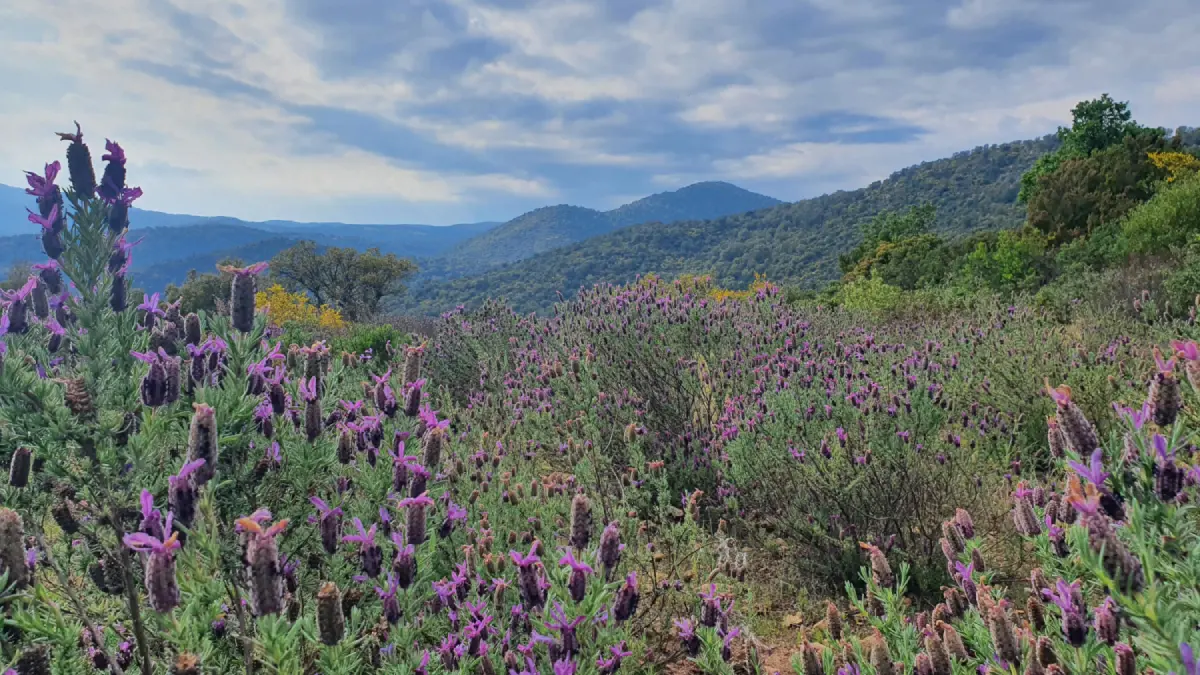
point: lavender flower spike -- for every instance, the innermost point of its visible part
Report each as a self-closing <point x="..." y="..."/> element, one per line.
<point x="241" y="300"/>
<point x="329" y="523"/>
<point x="162" y="590"/>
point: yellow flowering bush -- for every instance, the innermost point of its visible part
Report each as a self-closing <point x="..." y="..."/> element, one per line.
<point x="284" y="308"/>
<point x="760" y="283"/>
<point x="1177" y="164"/>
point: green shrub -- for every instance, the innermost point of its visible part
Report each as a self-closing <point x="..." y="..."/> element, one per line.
<point x="1166" y="222"/>
<point x="871" y="295"/>
<point x="360" y="337"/>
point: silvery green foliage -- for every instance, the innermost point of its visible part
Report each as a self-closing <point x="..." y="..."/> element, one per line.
<point x="173" y="524"/>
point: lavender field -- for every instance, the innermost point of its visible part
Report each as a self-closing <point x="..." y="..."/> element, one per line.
<point x="656" y="478"/>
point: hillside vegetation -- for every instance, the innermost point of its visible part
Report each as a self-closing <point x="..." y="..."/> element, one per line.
<point x="165" y="255"/>
<point x="796" y="243"/>
<point x="554" y="227"/>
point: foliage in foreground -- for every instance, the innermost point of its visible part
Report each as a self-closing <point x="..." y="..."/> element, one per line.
<point x="651" y="474"/>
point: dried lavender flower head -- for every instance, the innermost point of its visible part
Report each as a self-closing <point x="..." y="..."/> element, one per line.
<point x="331" y="621"/>
<point x="581" y="521"/>
<point x="1164" y="396"/>
<point x="202" y="441"/>
<point x="264" y="568"/>
<point x="1078" y="433"/>
<point x="242" y="290"/>
<point x="162" y="589"/>
<point x="881" y="571"/>
<point x="12" y="547"/>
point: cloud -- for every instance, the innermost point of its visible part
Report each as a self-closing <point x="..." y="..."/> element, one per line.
<point x="454" y="110"/>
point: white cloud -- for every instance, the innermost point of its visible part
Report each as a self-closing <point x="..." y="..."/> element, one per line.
<point x="239" y="154"/>
<point x="674" y="74"/>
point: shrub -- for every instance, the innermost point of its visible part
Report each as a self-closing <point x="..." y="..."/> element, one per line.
<point x="871" y="295"/>
<point x="1116" y="584"/>
<point x="1167" y="221"/>
<point x="285" y="308"/>
<point x="360" y="338"/>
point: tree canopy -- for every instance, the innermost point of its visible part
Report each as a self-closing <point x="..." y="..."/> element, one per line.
<point x="1096" y="124"/>
<point x="351" y="281"/>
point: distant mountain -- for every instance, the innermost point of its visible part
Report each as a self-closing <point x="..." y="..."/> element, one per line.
<point x="171" y="244"/>
<point x="553" y="227"/>
<point x="165" y="254"/>
<point x="794" y="243"/>
<point x="428" y="239"/>
<point x="156" y="276"/>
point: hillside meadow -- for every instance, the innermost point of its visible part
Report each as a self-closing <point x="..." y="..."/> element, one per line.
<point x="661" y="476"/>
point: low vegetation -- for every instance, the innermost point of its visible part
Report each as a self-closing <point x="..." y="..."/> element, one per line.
<point x="937" y="466"/>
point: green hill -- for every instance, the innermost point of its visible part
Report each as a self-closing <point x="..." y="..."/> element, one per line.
<point x="554" y="227"/>
<point x="795" y="243"/>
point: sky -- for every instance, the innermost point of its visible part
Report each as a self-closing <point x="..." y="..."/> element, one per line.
<point x="445" y="111"/>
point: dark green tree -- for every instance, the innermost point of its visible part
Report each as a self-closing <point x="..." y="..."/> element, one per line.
<point x="1087" y="192"/>
<point x="1095" y="125"/>
<point x="889" y="227"/>
<point x="204" y="291"/>
<point x="351" y="281"/>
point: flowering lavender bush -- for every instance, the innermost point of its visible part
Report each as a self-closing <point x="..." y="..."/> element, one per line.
<point x="624" y="486"/>
<point x="1116" y="588"/>
<point x="159" y="516"/>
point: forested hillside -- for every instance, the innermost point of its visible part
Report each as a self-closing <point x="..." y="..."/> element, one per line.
<point x="554" y="227"/>
<point x="794" y="243"/>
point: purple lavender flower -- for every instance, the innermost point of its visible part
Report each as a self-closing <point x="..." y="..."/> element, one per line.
<point x="577" y="582"/>
<point x="113" y="181"/>
<point x="161" y="587"/>
<point x="687" y="635"/>
<point x="152" y="520"/>
<point x="627" y="599"/>
<point x="391" y="606"/>
<point x="369" y="552"/>
<point x="528" y="581"/>
<point x="416" y="516"/>
<point x="568" y="643"/>
<point x="454" y="514"/>
<point x="241" y="301"/>
<point x="612" y="664"/>
<point x="1190" y="665"/>
<point x="181" y="493"/>
<point x="1094" y="471"/>
<point x="330" y="524"/>
<point x="42" y="186"/>
<point x="404" y="567"/>
<point x="154" y="382"/>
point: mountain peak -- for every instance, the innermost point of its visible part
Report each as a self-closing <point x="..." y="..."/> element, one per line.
<point x="551" y="227"/>
<point x="698" y="201"/>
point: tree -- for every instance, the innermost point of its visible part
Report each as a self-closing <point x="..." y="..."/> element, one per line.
<point x="889" y="226"/>
<point x="353" y="282"/>
<point x="1016" y="261"/>
<point x="1096" y="125"/>
<point x="1086" y="192"/>
<point x="18" y="273"/>
<point x="204" y="291"/>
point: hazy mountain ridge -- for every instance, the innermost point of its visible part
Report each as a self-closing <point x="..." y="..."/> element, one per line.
<point x="553" y="227"/>
<point x="172" y="244"/>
